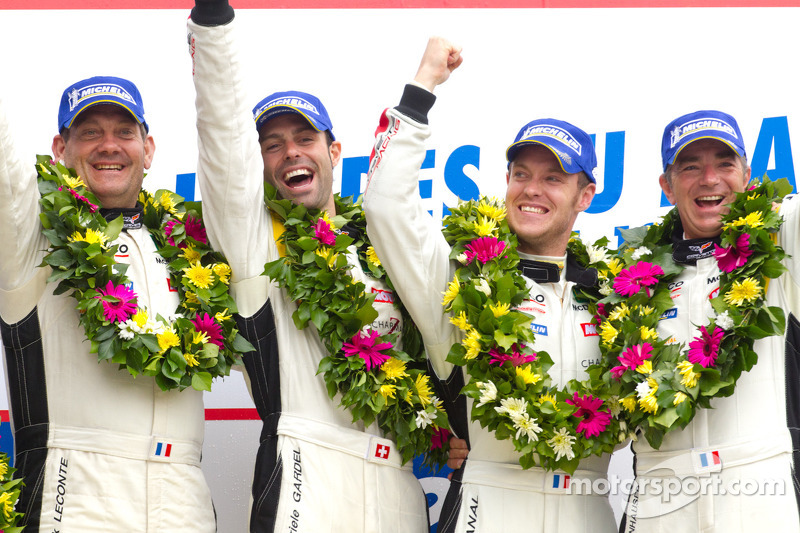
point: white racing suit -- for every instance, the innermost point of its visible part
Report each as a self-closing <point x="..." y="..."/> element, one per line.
<point x="316" y="470"/>
<point x="747" y="439"/>
<point x="491" y="492"/>
<point x="87" y="435"/>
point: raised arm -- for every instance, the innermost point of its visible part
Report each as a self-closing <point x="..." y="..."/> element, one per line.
<point x="407" y="240"/>
<point x="230" y="170"/>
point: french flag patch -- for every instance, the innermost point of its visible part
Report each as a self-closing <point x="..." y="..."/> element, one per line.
<point x="706" y="462"/>
<point x="561" y="481"/>
<point x="163" y="449"/>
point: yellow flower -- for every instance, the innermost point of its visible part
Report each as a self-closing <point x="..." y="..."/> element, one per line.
<point x="394" y="369"/>
<point x="328" y="255"/>
<point x="3" y="468"/>
<point x="649" y="404"/>
<point x="91" y="236"/>
<point x="199" y="337"/>
<point x="199" y="275"/>
<point x="528" y="377"/>
<point x="548" y="398"/>
<point x="327" y="219"/>
<point x="222" y="271"/>
<point x="8" y="505"/>
<point x="143" y="197"/>
<point x="619" y="312"/>
<point x="485" y="227"/>
<point x="646" y="367"/>
<point x="629" y="403"/>
<point x="191" y="298"/>
<point x="372" y="257"/>
<point x="167" y="202"/>
<point x="451" y="292"/>
<point x="647" y="333"/>
<point x="167" y="339"/>
<point x="472" y="343"/>
<point x="460" y="321"/>
<point x="746" y="290"/>
<point x="615" y="265"/>
<point x="387" y="391"/>
<point x="423" y="389"/>
<point x="645" y="310"/>
<point x="191" y="360"/>
<point x="690" y="377"/>
<point x="679" y="398"/>
<point x="222" y="315"/>
<point x="608" y="332"/>
<point x="499" y="309"/>
<point x="752" y="219"/>
<point x="73" y="183"/>
<point x="140" y="318"/>
<point x="492" y="211"/>
<point x="190" y="254"/>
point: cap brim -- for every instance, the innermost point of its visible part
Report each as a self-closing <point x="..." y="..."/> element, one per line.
<point x="138" y="119"/>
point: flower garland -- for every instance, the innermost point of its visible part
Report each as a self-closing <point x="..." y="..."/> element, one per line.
<point x="189" y="349"/>
<point x="514" y="395"/>
<point x="9" y="494"/>
<point x="661" y="383"/>
<point x="377" y="380"/>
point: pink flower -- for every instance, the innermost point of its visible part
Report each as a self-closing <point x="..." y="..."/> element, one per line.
<point x="705" y="348"/>
<point x="323" y="232"/>
<point x="516" y="358"/>
<point x="92" y="207"/>
<point x="632" y="279"/>
<point x="119" y="303"/>
<point x="594" y="421"/>
<point x="363" y="345"/>
<point x="192" y="226"/>
<point x="632" y="357"/>
<point x="485" y="249"/>
<point x="213" y="329"/>
<point x="729" y="259"/>
<point x="439" y="437"/>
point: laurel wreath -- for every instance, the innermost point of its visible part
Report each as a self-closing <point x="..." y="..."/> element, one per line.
<point x="188" y="349"/>
<point x="378" y="381"/>
<point x="9" y="495"/>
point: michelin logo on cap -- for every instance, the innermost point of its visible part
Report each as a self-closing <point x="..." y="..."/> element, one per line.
<point x="76" y="96"/>
<point x="555" y="132"/>
<point x="286" y="102"/>
<point x="701" y="124"/>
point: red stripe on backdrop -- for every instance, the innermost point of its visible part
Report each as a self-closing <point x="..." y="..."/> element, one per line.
<point x="211" y="414"/>
<point x="389" y="4"/>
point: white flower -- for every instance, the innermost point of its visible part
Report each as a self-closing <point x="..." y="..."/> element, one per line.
<point x="640" y="252"/>
<point x="724" y="321"/>
<point x="424" y="419"/>
<point x="596" y="254"/>
<point x="127" y="329"/>
<point x="606" y="288"/>
<point x="562" y="443"/>
<point x="462" y="258"/>
<point x="527" y="425"/>
<point x="643" y="389"/>
<point x="483" y="287"/>
<point x="513" y="407"/>
<point x="488" y="392"/>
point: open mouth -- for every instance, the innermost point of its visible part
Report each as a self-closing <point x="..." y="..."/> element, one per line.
<point x="107" y="167"/>
<point x="709" y="201"/>
<point x="298" y="178"/>
<point x="534" y="210"/>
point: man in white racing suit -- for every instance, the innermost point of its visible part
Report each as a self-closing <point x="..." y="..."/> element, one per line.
<point x="316" y="471"/>
<point x="549" y="184"/>
<point x="754" y="432"/>
<point x="88" y="436"/>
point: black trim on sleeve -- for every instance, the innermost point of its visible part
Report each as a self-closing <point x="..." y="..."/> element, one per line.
<point x="212" y="12"/>
<point x="415" y="103"/>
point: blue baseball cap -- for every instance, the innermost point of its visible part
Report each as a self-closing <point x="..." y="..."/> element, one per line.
<point x="100" y="90"/>
<point x="571" y="145"/>
<point x="307" y="105"/>
<point x="706" y="124"/>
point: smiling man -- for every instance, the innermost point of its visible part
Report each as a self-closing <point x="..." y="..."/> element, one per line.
<point x="550" y="181"/>
<point x="316" y="470"/>
<point x="753" y="433"/>
<point x="86" y="435"/>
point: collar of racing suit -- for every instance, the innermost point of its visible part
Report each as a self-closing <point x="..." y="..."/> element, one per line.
<point x="132" y="217"/>
<point x="544" y="272"/>
<point x="688" y="251"/>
